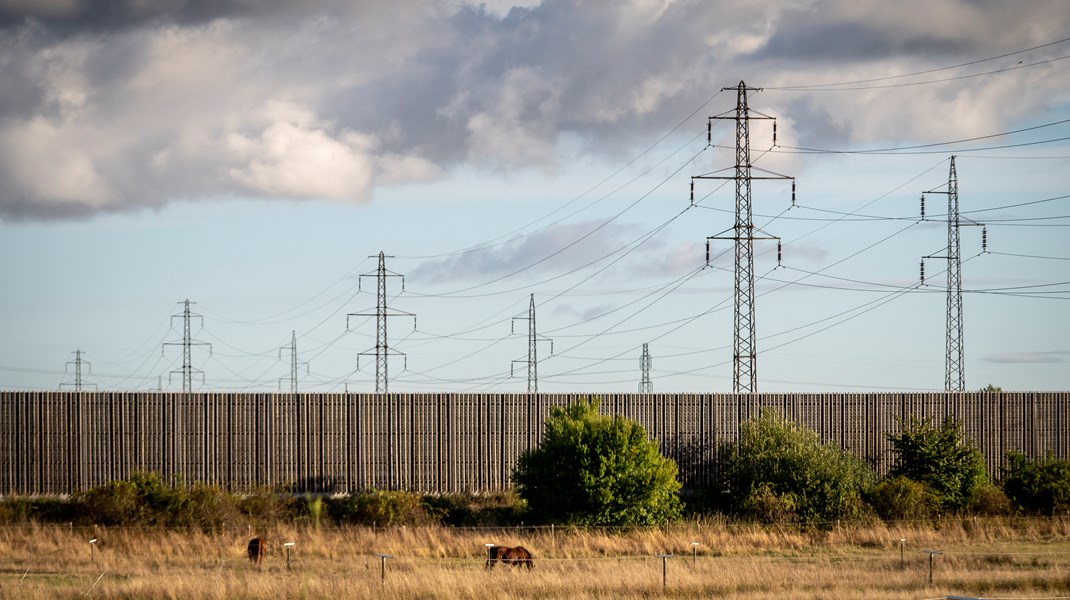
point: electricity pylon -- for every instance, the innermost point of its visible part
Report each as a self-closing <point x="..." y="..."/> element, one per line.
<point x="382" y="350"/>
<point x="533" y="339"/>
<point x="744" y="349"/>
<point x="954" y="361"/>
<point x="645" y="386"/>
<point x="294" y="364"/>
<point x="187" y="344"/>
<point x="77" y="384"/>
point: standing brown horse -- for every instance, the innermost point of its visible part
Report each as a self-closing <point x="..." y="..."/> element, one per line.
<point x="257" y="549"/>
<point x="518" y="556"/>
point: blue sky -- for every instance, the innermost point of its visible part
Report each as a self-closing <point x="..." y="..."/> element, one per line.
<point x="251" y="157"/>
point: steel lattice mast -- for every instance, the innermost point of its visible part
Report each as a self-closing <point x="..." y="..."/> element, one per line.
<point x="954" y="361"/>
<point x="533" y="360"/>
<point x="645" y="385"/>
<point x="187" y="344"/>
<point x="533" y="342"/>
<point x="382" y="379"/>
<point x="745" y="369"/>
<point x="78" y="382"/>
<point x="382" y="350"/>
<point x="954" y="375"/>
<point x="744" y="347"/>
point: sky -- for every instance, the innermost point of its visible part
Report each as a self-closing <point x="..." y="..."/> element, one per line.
<point x="256" y="157"/>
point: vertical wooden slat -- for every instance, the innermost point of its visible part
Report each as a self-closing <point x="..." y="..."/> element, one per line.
<point x="58" y="442"/>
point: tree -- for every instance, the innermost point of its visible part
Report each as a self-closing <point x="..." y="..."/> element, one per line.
<point x="596" y="470"/>
<point x="991" y="389"/>
<point x="779" y="471"/>
<point x="941" y="458"/>
<point x="1039" y="487"/>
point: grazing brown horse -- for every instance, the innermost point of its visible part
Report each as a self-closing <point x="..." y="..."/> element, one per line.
<point x="518" y="556"/>
<point x="257" y="549"/>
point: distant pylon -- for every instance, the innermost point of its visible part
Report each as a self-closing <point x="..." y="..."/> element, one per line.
<point x="78" y="382"/>
<point x="533" y="339"/>
<point x="744" y="348"/>
<point x="645" y="386"/>
<point x="187" y="344"/>
<point x="382" y="347"/>
<point x="954" y="360"/>
<point x="294" y="364"/>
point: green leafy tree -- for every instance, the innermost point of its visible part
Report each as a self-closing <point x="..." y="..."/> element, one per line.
<point x="942" y="458"/>
<point x="778" y="471"/>
<point x="1038" y="486"/>
<point x="597" y="470"/>
<point x="991" y="389"/>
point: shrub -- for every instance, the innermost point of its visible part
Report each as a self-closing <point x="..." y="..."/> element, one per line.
<point x="990" y="501"/>
<point x="469" y="510"/>
<point x="22" y="509"/>
<point x="898" y="498"/>
<point x="778" y="471"/>
<point x="266" y="506"/>
<point x="596" y="470"/>
<point x="1038" y="487"/>
<point x="941" y="458"/>
<point x="147" y="500"/>
<point x="381" y="508"/>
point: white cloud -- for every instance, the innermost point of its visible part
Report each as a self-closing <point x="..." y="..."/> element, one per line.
<point x="148" y="104"/>
<point x="51" y="166"/>
<point x="295" y="157"/>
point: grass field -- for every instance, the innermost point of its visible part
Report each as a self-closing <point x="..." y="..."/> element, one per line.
<point x="1027" y="558"/>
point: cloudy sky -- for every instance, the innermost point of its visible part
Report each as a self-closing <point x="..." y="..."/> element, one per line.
<point x="255" y="156"/>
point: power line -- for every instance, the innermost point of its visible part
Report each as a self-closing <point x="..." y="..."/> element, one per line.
<point x="1020" y="65"/>
<point x="900" y="149"/>
<point x="507" y="237"/>
<point x="916" y="73"/>
<point x="1029" y="256"/>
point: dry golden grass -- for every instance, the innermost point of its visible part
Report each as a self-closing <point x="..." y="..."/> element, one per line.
<point x="992" y="558"/>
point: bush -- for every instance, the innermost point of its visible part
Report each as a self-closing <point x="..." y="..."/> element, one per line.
<point x="472" y="510"/>
<point x="382" y="509"/>
<point x="778" y="472"/>
<point x="942" y="459"/>
<point x="146" y="500"/>
<point x="990" y="501"/>
<point x="595" y="470"/>
<point x="21" y="509"/>
<point x="899" y="498"/>
<point x="1039" y="487"/>
<point x="266" y="506"/>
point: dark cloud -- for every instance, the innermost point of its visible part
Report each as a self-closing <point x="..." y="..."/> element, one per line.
<point x="555" y="249"/>
<point x="809" y="41"/>
<point x="134" y="103"/>
<point x="70" y="17"/>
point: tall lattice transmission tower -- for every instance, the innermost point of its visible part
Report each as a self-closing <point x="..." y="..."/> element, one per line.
<point x="954" y="361"/>
<point x="294" y="363"/>
<point x="382" y="350"/>
<point x="533" y="341"/>
<point x="187" y="344"/>
<point x="79" y="383"/>
<point x="645" y="386"/>
<point x="744" y="349"/>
